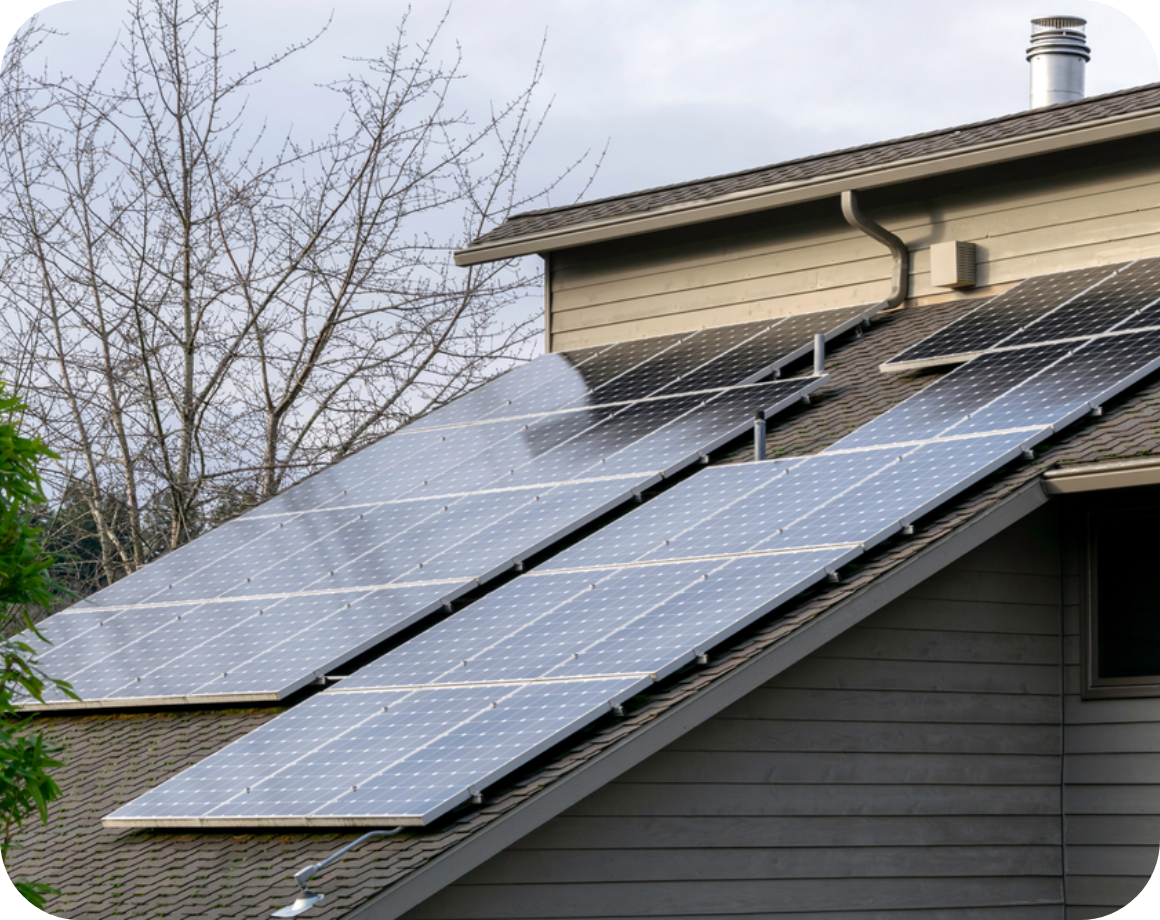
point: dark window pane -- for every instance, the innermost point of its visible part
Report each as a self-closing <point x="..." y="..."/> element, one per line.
<point x="1127" y="600"/>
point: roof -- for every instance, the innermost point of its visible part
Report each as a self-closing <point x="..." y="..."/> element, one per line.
<point x="114" y="758"/>
<point x="942" y="150"/>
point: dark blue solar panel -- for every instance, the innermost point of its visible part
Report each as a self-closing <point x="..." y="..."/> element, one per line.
<point x="460" y="497"/>
<point x="1002" y="316"/>
<point x="793" y="490"/>
<point x="948" y="402"/>
<point x="546" y="372"/>
<point x="429" y="748"/>
<point x="714" y="604"/>
<point x="1098" y="309"/>
<point x="1091" y="374"/>
<point x="706" y="427"/>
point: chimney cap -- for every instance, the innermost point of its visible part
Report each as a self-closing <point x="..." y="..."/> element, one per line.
<point x="1045" y="23"/>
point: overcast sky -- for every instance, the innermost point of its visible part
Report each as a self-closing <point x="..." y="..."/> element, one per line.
<point x="677" y="89"/>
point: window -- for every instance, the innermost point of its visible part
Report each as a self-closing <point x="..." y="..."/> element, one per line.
<point x="1121" y="603"/>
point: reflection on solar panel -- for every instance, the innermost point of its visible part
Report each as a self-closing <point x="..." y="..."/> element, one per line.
<point x="1060" y="308"/>
<point x="424" y="727"/>
<point x="274" y="600"/>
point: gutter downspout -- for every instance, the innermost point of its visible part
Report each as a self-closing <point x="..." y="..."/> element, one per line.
<point x="859" y="221"/>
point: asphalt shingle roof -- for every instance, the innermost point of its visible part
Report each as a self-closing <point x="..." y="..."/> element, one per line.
<point x="113" y="758"/>
<point x="882" y="153"/>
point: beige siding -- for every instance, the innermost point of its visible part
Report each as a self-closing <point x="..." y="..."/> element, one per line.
<point x="808" y="259"/>
<point x="913" y="765"/>
<point x="1111" y="780"/>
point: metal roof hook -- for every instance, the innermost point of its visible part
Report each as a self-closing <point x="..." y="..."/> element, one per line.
<point x="309" y="898"/>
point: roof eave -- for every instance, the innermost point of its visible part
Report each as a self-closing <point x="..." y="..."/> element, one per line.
<point x="788" y="193"/>
<point x="568" y="790"/>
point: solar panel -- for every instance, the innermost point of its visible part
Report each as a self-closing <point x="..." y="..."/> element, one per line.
<point x="431" y="747"/>
<point x="400" y="530"/>
<point x="1098" y="309"/>
<point x="994" y="320"/>
<point x="649" y="593"/>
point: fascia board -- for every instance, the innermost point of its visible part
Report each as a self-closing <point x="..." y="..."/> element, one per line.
<point x="829" y="185"/>
<point x="568" y="790"/>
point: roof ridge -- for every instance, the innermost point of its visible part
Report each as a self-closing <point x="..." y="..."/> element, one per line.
<point x="841" y="151"/>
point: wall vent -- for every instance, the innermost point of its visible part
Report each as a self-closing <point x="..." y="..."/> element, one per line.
<point x="952" y="264"/>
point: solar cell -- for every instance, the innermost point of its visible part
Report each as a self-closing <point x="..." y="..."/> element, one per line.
<point x="535" y="524"/>
<point x="491" y="468"/>
<point x="706" y="427"/>
<point x="878" y="506"/>
<point x="682" y="359"/>
<point x="793" y="490"/>
<point x="333" y="481"/>
<point x="704" y="612"/>
<point x="1098" y="309"/>
<point x="1001" y="316"/>
<point x="1086" y="377"/>
<point x="458" y="446"/>
<point x="585" y="457"/>
<point x="311" y="567"/>
<point x="695" y="501"/>
<point x="966" y="390"/>
<point x="566" y="632"/>
<point x="548" y="371"/>
<point x="339" y="756"/>
<point x="473" y="630"/>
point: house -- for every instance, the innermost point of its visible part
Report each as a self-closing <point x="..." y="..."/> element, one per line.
<point x="964" y="724"/>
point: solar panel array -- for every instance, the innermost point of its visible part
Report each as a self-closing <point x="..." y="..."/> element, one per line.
<point x="433" y="722"/>
<point x="1104" y="300"/>
<point x="276" y="599"/>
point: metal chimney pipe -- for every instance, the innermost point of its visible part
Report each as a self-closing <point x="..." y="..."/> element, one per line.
<point x="1058" y="56"/>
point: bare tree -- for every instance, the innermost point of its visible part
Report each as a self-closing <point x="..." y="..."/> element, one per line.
<point x="200" y="315"/>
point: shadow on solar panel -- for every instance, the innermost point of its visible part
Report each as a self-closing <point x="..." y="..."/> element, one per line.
<point x="274" y="600"/>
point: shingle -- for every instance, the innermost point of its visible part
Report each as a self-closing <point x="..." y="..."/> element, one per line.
<point x="882" y="153"/>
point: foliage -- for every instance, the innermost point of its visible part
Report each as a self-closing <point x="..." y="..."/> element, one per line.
<point x="25" y="760"/>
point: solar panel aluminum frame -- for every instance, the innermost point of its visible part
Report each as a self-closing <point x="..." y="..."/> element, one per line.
<point x="635" y="684"/>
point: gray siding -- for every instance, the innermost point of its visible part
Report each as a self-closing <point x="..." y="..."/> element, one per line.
<point x="1067" y="216"/>
<point x="1111" y="778"/>
<point x="911" y="768"/>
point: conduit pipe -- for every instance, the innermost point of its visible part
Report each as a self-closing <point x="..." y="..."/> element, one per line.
<point x="309" y="898"/>
<point x="859" y="221"/>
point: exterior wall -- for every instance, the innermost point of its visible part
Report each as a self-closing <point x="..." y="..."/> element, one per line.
<point x="1111" y="771"/>
<point x="1090" y="207"/>
<point x="908" y="769"/>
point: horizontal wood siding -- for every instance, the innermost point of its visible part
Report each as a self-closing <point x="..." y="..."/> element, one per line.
<point x="1111" y="778"/>
<point x="908" y="769"/>
<point x="809" y="259"/>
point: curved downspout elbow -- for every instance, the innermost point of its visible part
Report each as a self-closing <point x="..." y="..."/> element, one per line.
<point x="901" y="276"/>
